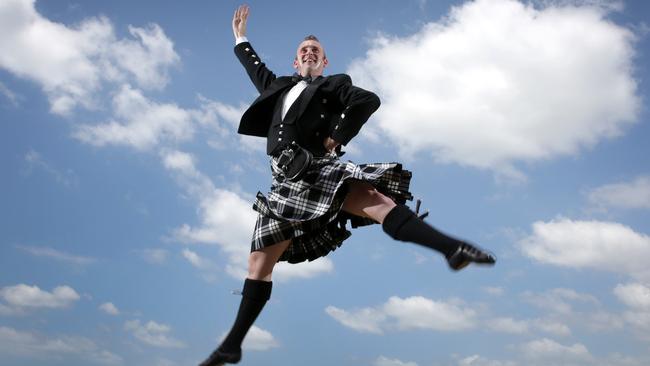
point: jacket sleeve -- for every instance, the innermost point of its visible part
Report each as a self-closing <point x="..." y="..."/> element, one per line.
<point x="358" y="104"/>
<point x="260" y="75"/>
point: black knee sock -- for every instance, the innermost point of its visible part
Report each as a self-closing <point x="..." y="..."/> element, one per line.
<point x="403" y="224"/>
<point x="254" y="296"/>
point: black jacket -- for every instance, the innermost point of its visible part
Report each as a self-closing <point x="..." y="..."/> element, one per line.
<point x="329" y="106"/>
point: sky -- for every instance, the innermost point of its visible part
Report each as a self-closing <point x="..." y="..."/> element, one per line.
<point x="126" y="193"/>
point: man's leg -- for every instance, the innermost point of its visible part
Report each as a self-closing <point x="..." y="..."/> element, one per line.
<point x="257" y="291"/>
<point x="400" y="223"/>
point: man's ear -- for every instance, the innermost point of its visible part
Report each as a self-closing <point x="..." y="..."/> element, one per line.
<point x="295" y="64"/>
<point x="325" y="62"/>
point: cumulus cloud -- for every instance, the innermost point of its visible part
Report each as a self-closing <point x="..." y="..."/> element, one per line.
<point x="30" y="345"/>
<point x="508" y="325"/>
<point x="109" y="308"/>
<point x="258" y="339"/>
<point x="626" y="195"/>
<point x="24" y="297"/>
<point x="497" y="82"/>
<point x="153" y="334"/>
<point x="139" y="123"/>
<point x="57" y="255"/>
<point x="635" y="295"/>
<point x="599" y="245"/>
<point x="476" y="360"/>
<point x="558" y="300"/>
<point x="414" y="312"/>
<point x="548" y="349"/>
<point x="385" y="361"/>
<point x="524" y="326"/>
<point x="71" y="63"/>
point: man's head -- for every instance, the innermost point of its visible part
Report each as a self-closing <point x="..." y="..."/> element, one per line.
<point x="310" y="57"/>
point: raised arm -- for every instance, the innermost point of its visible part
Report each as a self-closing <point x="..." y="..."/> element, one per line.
<point x="259" y="74"/>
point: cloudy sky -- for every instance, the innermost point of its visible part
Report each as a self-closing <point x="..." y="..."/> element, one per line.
<point x="126" y="194"/>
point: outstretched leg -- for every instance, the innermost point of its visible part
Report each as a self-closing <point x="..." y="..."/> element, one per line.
<point x="257" y="291"/>
<point x="400" y="223"/>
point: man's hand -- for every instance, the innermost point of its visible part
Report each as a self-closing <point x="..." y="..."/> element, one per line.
<point x="330" y="144"/>
<point x="239" y="21"/>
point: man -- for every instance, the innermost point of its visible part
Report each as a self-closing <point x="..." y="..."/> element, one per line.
<point x="304" y="218"/>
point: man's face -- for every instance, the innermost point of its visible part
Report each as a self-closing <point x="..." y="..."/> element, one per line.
<point x="310" y="59"/>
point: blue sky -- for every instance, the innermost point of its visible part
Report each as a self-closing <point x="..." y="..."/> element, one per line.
<point x="126" y="196"/>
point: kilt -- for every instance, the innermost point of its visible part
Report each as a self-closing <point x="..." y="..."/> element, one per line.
<point x="309" y="210"/>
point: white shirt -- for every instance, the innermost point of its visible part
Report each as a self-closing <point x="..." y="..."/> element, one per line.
<point x="292" y="95"/>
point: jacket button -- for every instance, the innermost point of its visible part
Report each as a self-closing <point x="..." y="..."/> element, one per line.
<point x="324" y="100"/>
<point x="281" y="125"/>
<point x="280" y="132"/>
<point x="279" y="138"/>
<point x="247" y="49"/>
<point x="336" y="127"/>
<point x="317" y="133"/>
<point x="253" y="56"/>
<point x="322" y="116"/>
<point x="256" y="62"/>
<point x="342" y="115"/>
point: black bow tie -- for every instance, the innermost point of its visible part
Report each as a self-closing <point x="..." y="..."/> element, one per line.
<point x="296" y="78"/>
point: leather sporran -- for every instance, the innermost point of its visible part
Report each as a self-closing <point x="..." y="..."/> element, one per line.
<point x="294" y="161"/>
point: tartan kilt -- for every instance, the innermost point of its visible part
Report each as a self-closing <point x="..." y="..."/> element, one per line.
<point x="309" y="210"/>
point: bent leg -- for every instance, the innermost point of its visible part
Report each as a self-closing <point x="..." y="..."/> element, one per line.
<point x="261" y="262"/>
<point x="365" y="201"/>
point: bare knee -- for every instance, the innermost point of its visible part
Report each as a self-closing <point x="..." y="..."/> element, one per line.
<point x="261" y="262"/>
<point x="364" y="200"/>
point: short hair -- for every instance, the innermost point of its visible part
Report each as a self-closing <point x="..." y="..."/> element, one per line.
<point x="312" y="37"/>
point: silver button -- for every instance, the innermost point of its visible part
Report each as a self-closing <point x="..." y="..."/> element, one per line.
<point x="279" y="138"/>
<point x="336" y="127"/>
<point x="293" y="142"/>
<point x="256" y="62"/>
<point x="342" y="115"/>
<point x="322" y="116"/>
<point x="253" y="56"/>
<point x="324" y="100"/>
<point x="247" y="49"/>
<point x="281" y="125"/>
<point x="280" y="132"/>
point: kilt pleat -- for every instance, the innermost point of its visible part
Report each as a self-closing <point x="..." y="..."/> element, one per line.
<point x="309" y="210"/>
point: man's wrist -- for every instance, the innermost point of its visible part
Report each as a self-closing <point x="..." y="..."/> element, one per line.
<point x="240" y="39"/>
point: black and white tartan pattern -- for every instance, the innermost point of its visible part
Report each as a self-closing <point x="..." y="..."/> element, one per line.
<point x="309" y="210"/>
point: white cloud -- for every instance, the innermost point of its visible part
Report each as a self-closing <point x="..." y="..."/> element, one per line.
<point x="258" y="339"/>
<point x="57" y="255"/>
<point x="589" y="244"/>
<point x="9" y="94"/>
<point x="109" y="308"/>
<point x="366" y="320"/>
<point x="508" y="325"/>
<point x="385" y="361"/>
<point x="196" y="260"/>
<point x="635" y="295"/>
<point x="35" y="160"/>
<point x="23" y="296"/>
<point x="549" y="349"/>
<point x="634" y="194"/>
<point x="494" y="290"/>
<point x="155" y="256"/>
<point x="71" y="63"/>
<point x="34" y="346"/>
<point x="284" y="271"/>
<point x="140" y="123"/>
<point x="476" y="360"/>
<point x="498" y="82"/>
<point x="153" y="334"/>
<point x="558" y="300"/>
<point x="414" y="312"/>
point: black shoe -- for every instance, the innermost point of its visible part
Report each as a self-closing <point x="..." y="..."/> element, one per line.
<point x="466" y="254"/>
<point x="219" y="358"/>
